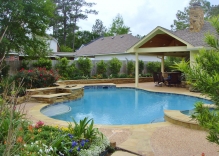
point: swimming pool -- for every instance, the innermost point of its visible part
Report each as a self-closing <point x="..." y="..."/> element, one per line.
<point x="122" y="106"/>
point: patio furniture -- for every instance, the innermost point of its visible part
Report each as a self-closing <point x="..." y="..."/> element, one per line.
<point x="174" y="79"/>
<point x="158" y="79"/>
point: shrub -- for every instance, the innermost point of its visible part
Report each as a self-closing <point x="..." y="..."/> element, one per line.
<point x="101" y="68"/>
<point x="114" y="66"/>
<point x="84" y="65"/>
<point x="24" y="64"/>
<point x="123" y="76"/>
<point x="36" y="78"/>
<point x="130" y="68"/>
<point x="74" y="72"/>
<point x="65" y="70"/>
<point x="141" y="66"/>
<point x="43" y="63"/>
<point x="5" y="69"/>
<point x="65" y="49"/>
<point x="153" y="67"/>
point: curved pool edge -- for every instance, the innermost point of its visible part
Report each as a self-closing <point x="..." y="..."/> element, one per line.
<point x="171" y="117"/>
<point x="178" y="118"/>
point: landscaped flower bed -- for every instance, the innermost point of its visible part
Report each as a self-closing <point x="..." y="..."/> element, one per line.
<point x="19" y="137"/>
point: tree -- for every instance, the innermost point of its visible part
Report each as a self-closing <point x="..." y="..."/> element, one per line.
<point x="82" y="38"/>
<point x="182" y="21"/>
<point x="118" y="27"/>
<point x="214" y="10"/>
<point x="68" y="13"/>
<point x="99" y="28"/>
<point x="204" y="75"/>
<point x="26" y="28"/>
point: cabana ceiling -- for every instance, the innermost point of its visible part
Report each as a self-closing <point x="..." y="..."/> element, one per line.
<point x="162" y="40"/>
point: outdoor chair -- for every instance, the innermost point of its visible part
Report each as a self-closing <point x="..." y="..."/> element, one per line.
<point x="158" y="78"/>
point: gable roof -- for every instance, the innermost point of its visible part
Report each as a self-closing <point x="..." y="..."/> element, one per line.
<point x="191" y="39"/>
<point x="195" y="38"/>
<point x="108" y="45"/>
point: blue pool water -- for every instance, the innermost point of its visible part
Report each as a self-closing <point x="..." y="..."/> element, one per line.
<point x="124" y="106"/>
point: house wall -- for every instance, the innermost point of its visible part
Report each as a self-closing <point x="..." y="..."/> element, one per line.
<point x="53" y="45"/>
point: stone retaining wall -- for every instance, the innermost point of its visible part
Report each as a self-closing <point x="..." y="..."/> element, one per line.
<point x="75" y="93"/>
<point x="115" y="81"/>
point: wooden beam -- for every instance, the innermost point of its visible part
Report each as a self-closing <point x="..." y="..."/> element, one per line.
<point x="161" y="49"/>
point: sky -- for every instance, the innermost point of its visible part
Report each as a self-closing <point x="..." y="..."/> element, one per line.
<point x="142" y="16"/>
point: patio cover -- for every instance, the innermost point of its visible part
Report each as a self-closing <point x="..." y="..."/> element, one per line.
<point x="162" y="42"/>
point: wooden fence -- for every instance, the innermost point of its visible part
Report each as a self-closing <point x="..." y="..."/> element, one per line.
<point x="16" y="65"/>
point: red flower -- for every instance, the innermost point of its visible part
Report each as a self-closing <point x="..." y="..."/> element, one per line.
<point x="19" y="139"/>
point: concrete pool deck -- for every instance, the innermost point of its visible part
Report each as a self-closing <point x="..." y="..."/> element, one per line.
<point x="157" y="139"/>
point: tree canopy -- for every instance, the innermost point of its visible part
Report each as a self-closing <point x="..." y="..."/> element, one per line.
<point x="67" y="14"/>
<point x="118" y="27"/>
<point x="26" y="22"/>
<point x="99" y="28"/>
<point x="182" y="17"/>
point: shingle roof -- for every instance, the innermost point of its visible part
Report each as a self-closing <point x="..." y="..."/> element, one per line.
<point x="195" y="38"/>
<point x="108" y="45"/>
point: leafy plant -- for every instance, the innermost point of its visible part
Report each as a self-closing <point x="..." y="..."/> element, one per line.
<point x="5" y="70"/>
<point x="43" y="63"/>
<point x="130" y="68"/>
<point x="141" y="66"/>
<point x="36" y="78"/>
<point x="65" y="70"/>
<point x="153" y="67"/>
<point x="101" y="67"/>
<point x="79" y="128"/>
<point x="65" y="49"/>
<point x="24" y="64"/>
<point x="204" y="75"/>
<point x="123" y="76"/>
<point x="115" y="66"/>
<point x="84" y="65"/>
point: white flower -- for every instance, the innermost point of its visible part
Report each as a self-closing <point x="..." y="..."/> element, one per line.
<point x="41" y="151"/>
<point x="51" y="149"/>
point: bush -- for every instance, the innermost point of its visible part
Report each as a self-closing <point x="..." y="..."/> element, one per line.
<point x="141" y="66"/>
<point x="153" y="67"/>
<point x="36" y="78"/>
<point x="65" y="70"/>
<point x="130" y="68"/>
<point x="123" y="76"/>
<point x="43" y="63"/>
<point x="4" y="71"/>
<point x="115" y="66"/>
<point x="101" y="68"/>
<point x="84" y="65"/>
<point x="65" y="49"/>
<point x="24" y="64"/>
